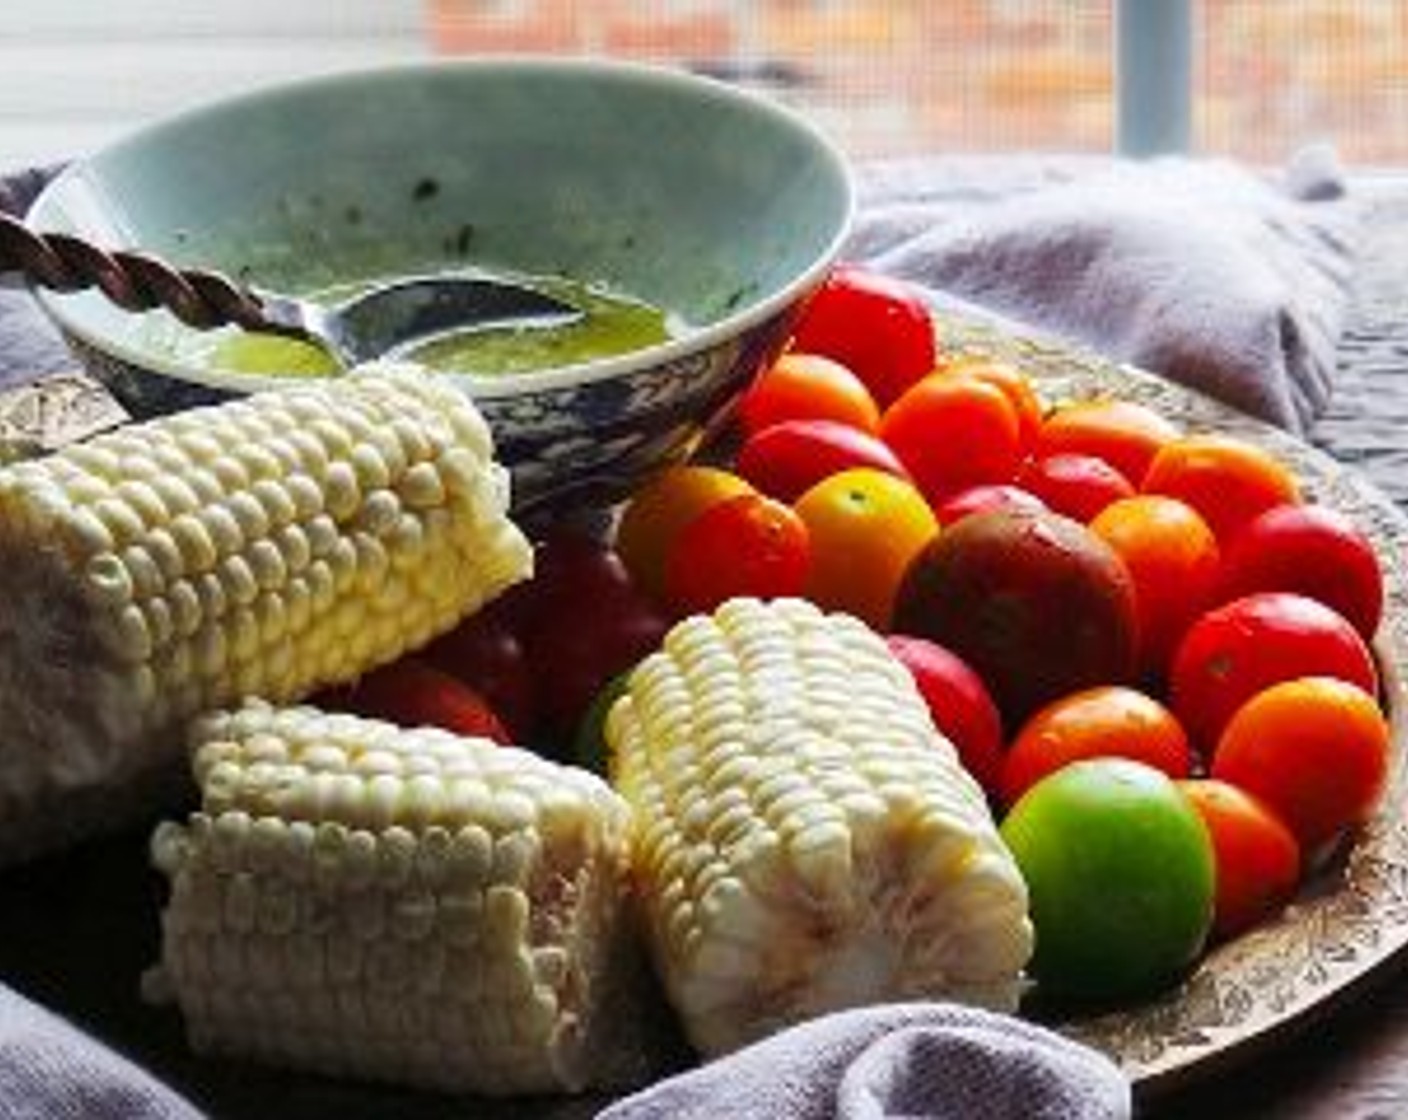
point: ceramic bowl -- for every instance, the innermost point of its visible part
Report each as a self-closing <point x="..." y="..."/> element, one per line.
<point x="714" y="204"/>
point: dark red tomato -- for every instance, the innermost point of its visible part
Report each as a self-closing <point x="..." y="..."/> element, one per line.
<point x="876" y="326"/>
<point x="786" y="460"/>
<point x="1233" y="652"/>
<point x="751" y="545"/>
<point x="574" y="657"/>
<point x="414" y="693"/>
<point x="485" y="653"/>
<point x="570" y="566"/>
<point x="1313" y="550"/>
<point x="959" y="704"/>
<point x="985" y="496"/>
<point x="1080" y="486"/>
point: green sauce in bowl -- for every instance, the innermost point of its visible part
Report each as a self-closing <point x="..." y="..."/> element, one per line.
<point x="612" y="323"/>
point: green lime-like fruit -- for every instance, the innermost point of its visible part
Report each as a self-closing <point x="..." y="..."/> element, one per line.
<point x="1121" y="874"/>
<point x="589" y="748"/>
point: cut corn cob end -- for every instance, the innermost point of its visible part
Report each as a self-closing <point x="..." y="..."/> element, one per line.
<point x="268" y="547"/>
<point x="412" y="906"/>
<point x="806" y="840"/>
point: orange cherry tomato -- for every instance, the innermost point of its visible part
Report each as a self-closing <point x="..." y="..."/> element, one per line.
<point x="751" y="545"/>
<point x="655" y="514"/>
<point x="1257" y="856"/>
<point x="1227" y="480"/>
<point x="1234" y="651"/>
<point x="1125" y="434"/>
<point x="1313" y="550"/>
<point x="1315" y="749"/>
<point x="954" y="432"/>
<point x="1079" y="486"/>
<point x="1173" y="558"/>
<point x="1013" y="382"/>
<point x="807" y="387"/>
<point x="865" y="526"/>
<point x="1107" y="721"/>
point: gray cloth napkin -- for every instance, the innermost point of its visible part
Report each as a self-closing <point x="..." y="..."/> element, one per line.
<point x="920" y="1061"/>
<point x="1228" y="281"/>
<point x="49" y="1070"/>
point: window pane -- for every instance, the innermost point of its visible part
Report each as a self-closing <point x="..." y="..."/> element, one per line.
<point x="882" y="76"/>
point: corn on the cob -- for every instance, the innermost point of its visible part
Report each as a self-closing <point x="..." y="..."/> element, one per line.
<point x="266" y="547"/>
<point x="402" y="905"/>
<point x="806" y="840"/>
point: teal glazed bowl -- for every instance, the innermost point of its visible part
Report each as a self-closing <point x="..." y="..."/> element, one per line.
<point x="714" y="205"/>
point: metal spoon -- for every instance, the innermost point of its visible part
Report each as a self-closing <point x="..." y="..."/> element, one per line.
<point x="386" y="320"/>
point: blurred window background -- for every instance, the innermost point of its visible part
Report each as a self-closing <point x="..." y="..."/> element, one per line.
<point x="883" y="77"/>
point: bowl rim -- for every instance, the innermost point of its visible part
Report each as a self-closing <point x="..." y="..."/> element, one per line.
<point x="485" y="386"/>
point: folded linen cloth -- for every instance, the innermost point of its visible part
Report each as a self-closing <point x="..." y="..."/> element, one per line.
<point x="920" y="1061"/>
<point x="50" y="1070"/>
<point x="1225" y="280"/>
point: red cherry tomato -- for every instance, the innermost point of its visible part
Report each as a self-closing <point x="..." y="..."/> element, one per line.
<point x="985" y="496"/>
<point x="788" y="459"/>
<point x="1080" y="486"/>
<point x="807" y="387"/>
<point x="876" y="326"/>
<point x="1233" y="652"/>
<point x="1258" y="858"/>
<point x="570" y="566"/>
<point x="487" y="655"/>
<point x="414" y="693"/>
<point x="959" y="703"/>
<point x="751" y="545"/>
<point x="1312" y="550"/>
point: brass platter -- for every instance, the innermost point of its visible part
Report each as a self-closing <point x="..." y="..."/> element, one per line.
<point x="1350" y="922"/>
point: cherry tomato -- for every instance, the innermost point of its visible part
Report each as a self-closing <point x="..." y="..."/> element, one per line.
<point x="1120" y="871"/>
<point x="1079" y="486"/>
<point x="1227" y="480"/>
<point x="576" y="654"/>
<point x="414" y="693"/>
<point x="1013" y="382"/>
<point x="1313" y="550"/>
<point x="787" y="459"/>
<point x="1125" y="434"/>
<point x="985" y="496"/>
<point x="658" y="511"/>
<point x="959" y="704"/>
<point x="1257" y="856"/>
<point x="807" y="387"/>
<point x="753" y="545"/>
<point x="570" y="566"/>
<point x="485" y="653"/>
<point x="1315" y="749"/>
<point x="865" y="526"/>
<point x="953" y="432"/>
<point x="875" y="326"/>
<point x="1108" y="721"/>
<point x="1174" y="560"/>
<point x="1236" y="650"/>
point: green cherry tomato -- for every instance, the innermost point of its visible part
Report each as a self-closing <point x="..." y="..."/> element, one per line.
<point x="1120" y="869"/>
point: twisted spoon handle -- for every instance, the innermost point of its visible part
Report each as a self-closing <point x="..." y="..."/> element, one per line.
<point x="134" y="281"/>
